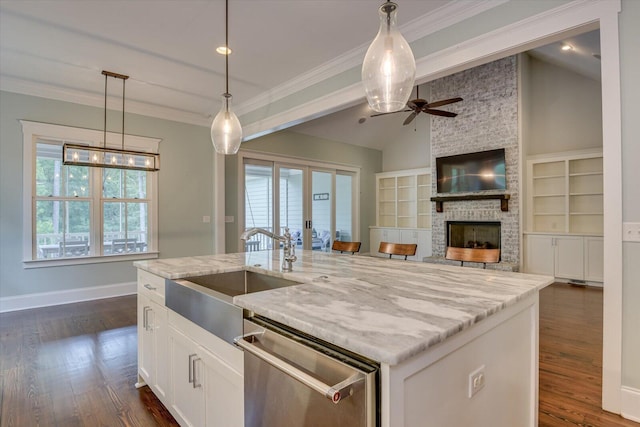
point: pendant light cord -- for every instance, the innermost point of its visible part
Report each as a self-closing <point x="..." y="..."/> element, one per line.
<point x="105" y="111"/>
<point x="123" y="83"/>
<point x="226" y="43"/>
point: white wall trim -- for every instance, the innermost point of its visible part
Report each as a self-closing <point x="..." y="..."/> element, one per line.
<point x="631" y="404"/>
<point x="46" y="299"/>
<point x="42" y="90"/>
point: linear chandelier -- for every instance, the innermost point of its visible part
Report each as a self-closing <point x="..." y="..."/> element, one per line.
<point x="106" y="157"/>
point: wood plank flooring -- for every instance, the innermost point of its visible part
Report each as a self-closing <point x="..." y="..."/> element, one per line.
<point x="75" y="365"/>
<point x="571" y="359"/>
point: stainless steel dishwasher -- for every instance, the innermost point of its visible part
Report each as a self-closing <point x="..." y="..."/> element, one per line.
<point x="295" y="380"/>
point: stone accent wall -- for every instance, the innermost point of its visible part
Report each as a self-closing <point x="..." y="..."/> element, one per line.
<point x="487" y="119"/>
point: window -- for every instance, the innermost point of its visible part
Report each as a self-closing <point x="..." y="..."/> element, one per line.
<point x="79" y="214"/>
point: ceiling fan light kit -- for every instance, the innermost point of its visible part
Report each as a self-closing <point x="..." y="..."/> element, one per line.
<point x="103" y="157"/>
<point x="226" y="131"/>
<point x="389" y="67"/>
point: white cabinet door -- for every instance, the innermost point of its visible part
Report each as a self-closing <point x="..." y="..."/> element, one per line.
<point x="224" y="392"/>
<point x="569" y="257"/>
<point x="146" y="362"/>
<point x="187" y="394"/>
<point x="539" y="254"/>
<point x="594" y="259"/>
<point x="152" y="344"/>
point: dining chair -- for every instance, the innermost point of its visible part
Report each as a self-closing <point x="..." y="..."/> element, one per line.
<point x="400" y="249"/>
<point x="352" y="247"/>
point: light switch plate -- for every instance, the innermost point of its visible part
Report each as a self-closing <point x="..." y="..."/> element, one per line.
<point x="229" y="218"/>
<point x="631" y="231"/>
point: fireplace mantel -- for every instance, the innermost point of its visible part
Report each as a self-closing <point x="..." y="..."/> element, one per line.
<point x="504" y="200"/>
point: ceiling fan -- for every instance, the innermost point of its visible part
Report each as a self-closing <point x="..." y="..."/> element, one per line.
<point x="418" y="105"/>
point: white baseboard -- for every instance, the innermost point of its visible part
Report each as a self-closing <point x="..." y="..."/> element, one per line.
<point x="46" y="299"/>
<point x="630" y="403"/>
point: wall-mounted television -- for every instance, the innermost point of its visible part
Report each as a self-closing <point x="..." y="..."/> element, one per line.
<point x="467" y="173"/>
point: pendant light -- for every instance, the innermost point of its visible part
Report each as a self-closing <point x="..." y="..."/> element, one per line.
<point x="226" y="132"/>
<point x="389" y="68"/>
<point x="106" y="157"/>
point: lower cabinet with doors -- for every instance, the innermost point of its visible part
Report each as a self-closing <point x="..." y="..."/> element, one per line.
<point x="572" y="257"/>
<point x="152" y="334"/>
<point x="196" y="375"/>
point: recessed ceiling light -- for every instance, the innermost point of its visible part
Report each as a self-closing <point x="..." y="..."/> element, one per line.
<point x="223" y="50"/>
<point x="567" y="47"/>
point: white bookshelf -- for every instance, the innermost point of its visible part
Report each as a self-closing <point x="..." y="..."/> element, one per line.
<point x="403" y="199"/>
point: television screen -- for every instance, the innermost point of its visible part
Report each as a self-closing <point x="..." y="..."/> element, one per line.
<point x="466" y="173"/>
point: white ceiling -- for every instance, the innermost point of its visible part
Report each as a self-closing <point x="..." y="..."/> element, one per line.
<point x="58" y="48"/>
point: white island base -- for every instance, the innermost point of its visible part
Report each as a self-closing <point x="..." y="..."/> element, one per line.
<point x="434" y="388"/>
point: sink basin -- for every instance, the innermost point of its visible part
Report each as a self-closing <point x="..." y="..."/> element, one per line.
<point x="208" y="300"/>
<point x="240" y="282"/>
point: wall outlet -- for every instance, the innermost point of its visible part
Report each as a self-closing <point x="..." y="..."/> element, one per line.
<point x="631" y="231"/>
<point x="206" y="219"/>
<point x="229" y="218"/>
<point x="477" y="380"/>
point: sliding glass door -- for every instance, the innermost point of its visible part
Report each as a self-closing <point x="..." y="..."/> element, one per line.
<point x="316" y="204"/>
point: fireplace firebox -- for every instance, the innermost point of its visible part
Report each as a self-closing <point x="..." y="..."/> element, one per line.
<point x="473" y="234"/>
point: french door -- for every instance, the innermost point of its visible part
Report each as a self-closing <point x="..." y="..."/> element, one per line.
<point x="318" y="203"/>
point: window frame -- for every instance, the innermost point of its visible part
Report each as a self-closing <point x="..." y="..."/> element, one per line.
<point x="34" y="132"/>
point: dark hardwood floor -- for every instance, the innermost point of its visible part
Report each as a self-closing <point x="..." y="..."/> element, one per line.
<point x="75" y="364"/>
<point x="571" y="359"/>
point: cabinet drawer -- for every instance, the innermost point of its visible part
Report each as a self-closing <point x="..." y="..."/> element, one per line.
<point x="151" y="285"/>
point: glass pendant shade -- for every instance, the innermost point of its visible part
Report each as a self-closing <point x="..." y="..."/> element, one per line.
<point x="389" y="68"/>
<point x="226" y="132"/>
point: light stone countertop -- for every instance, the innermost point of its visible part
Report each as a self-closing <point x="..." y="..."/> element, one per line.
<point x="386" y="310"/>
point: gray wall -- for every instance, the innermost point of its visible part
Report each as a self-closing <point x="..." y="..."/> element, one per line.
<point x="307" y="147"/>
<point x="565" y="110"/>
<point x="185" y="193"/>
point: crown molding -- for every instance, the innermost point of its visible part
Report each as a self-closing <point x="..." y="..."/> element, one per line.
<point x="43" y="90"/>
<point x="413" y="30"/>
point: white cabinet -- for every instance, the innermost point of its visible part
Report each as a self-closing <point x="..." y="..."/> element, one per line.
<point x="205" y="391"/>
<point x="400" y="235"/>
<point x="403" y="199"/>
<point x="594" y="258"/>
<point x="565" y="256"/>
<point x="569" y="253"/>
<point x="196" y="375"/>
<point x="152" y="334"/>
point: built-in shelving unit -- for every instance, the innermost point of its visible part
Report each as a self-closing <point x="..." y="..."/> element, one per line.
<point x="403" y="199"/>
<point x="565" y="194"/>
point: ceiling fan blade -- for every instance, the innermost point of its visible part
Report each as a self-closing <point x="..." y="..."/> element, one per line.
<point x="443" y="102"/>
<point x="393" y="112"/>
<point x="410" y="118"/>
<point x="439" y="112"/>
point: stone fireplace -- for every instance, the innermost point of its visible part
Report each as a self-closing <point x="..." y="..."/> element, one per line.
<point x="487" y="120"/>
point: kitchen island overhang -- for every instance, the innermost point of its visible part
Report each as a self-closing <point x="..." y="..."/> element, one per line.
<point x="434" y="322"/>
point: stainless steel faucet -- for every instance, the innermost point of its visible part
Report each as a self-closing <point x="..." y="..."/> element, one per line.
<point x="288" y="248"/>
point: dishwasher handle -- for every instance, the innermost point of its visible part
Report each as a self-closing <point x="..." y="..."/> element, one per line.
<point x="335" y="393"/>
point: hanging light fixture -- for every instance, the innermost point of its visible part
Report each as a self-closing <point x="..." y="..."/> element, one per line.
<point x="226" y="132"/>
<point x="103" y="157"/>
<point x="389" y="68"/>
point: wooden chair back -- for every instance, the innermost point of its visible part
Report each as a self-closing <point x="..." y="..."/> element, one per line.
<point x="406" y="249"/>
<point x="352" y="247"/>
<point x="473" y="255"/>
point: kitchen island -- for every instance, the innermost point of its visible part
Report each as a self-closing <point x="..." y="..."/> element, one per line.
<point x="432" y="328"/>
